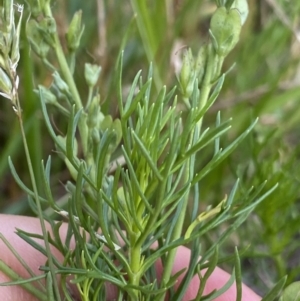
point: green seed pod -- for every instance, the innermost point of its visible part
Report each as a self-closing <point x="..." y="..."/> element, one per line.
<point x="91" y="74"/>
<point x="225" y="28"/>
<point x="5" y="84"/>
<point x="75" y="32"/>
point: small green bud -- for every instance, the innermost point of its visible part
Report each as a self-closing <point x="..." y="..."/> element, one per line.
<point x="225" y="28"/>
<point x="48" y="96"/>
<point x="186" y="68"/>
<point x="60" y="84"/>
<point x="91" y="74"/>
<point x="187" y="74"/>
<point x="75" y="32"/>
<point x="5" y="84"/>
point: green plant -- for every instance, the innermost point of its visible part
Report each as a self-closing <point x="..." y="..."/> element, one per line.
<point x="134" y="176"/>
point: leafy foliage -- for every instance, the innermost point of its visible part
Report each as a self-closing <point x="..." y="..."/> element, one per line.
<point x="145" y="173"/>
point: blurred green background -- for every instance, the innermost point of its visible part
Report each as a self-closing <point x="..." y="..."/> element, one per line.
<point x="264" y="83"/>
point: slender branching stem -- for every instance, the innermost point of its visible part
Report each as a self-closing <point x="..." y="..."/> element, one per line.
<point x="68" y="76"/>
<point x="18" y="112"/>
<point x="177" y="232"/>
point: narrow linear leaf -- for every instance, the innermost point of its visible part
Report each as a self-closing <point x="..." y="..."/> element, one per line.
<point x="20" y="183"/>
<point x="218" y="158"/>
<point x="119" y="81"/>
<point x="135" y="181"/>
<point x="132" y="91"/>
<point x="48" y="123"/>
<point x="209" y="271"/>
<point x="147" y="156"/>
<point x="46" y="184"/>
<point x="238" y="275"/>
<point x="212" y="98"/>
<point x="275" y="291"/>
<point x="103" y="157"/>
<point x="195" y="254"/>
<point x="131" y="106"/>
<point x="25" y="283"/>
<point x="221" y="291"/>
<point x="49" y="285"/>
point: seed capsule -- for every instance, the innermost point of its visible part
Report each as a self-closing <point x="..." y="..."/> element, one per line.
<point x="187" y="74"/>
<point x="225" y="28"/>
<point x="91" y="74"/>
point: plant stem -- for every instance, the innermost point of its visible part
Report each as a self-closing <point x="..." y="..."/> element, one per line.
<point x="149" y="36"/>
<point x="89" y="100"/>
<point x="34" y="133"/>
<point x="280" y="266"/>
<point x="189" y="169"/>
<point x="67" y="75"/>
<point x="175" y="235"/>
<point x="18" y="112"/>
<point x="135" y="255"/>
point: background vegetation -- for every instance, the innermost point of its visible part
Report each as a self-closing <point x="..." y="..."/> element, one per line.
<point x="265" y="82"/>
